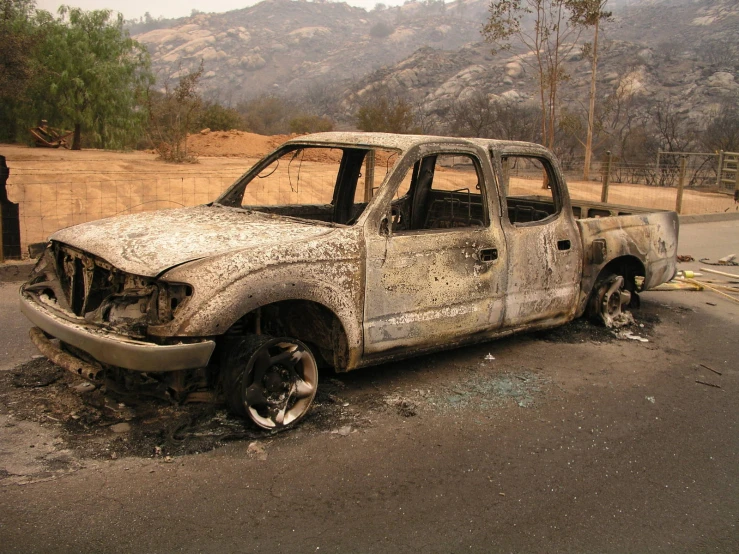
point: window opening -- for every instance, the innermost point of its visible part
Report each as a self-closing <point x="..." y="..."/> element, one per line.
<point x="327" y="184"/>
<point x="527" y="183"/>
<point x="443" y="192"/>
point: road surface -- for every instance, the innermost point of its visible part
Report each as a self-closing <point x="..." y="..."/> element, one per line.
<point x="570" y="440"/>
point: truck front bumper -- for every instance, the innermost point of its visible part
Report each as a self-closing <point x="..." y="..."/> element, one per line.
<point x="109" y="348"/>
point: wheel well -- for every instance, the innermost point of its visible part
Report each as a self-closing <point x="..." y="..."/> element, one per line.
<point x="310" y="322"/>
<point x="629" y="267"/>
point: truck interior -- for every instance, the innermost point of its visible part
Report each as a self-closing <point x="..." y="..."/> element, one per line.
<point x="334" y="185"/>
<point x="441" y="192"/>
<point x="309" y="182"/>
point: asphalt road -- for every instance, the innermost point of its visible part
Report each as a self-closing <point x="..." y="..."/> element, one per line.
<point x="15" y="347"/>
<point x="615" y="447"/>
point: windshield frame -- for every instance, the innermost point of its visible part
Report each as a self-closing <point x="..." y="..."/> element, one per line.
<point x="233" y="197"/>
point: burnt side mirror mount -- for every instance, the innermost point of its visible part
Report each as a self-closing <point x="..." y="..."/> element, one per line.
<point x="386" y="228"/>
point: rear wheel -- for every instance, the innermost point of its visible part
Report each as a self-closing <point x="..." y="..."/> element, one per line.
<point x="273" y="381"/>
<point x="608" y="299"/>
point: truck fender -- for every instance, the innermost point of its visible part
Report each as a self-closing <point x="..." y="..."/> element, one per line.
<point x="217" y="315"/>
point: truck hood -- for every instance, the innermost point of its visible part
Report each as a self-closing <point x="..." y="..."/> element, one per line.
<point x="149" y="243"/>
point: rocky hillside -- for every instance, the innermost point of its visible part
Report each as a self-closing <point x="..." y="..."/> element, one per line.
<point x="687" y="50"/>
<point x="284" y="46"/>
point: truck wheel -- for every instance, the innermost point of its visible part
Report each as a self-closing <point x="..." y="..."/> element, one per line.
<point x="608" y="298"/>
<point x="271" y="380"/>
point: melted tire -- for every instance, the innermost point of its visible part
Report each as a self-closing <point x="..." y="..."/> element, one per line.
<point x="271" y="381"/>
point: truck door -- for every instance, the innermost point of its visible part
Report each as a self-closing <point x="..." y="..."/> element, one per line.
<point x="436" y="265"/>
<point x="544" y="252"/>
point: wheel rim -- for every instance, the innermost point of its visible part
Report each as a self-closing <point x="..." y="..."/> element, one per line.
<point x="613" y="299"/>
<point x="282" y="379"/>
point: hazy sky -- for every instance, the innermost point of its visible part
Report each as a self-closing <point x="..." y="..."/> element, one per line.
<point x="175" y="8"/>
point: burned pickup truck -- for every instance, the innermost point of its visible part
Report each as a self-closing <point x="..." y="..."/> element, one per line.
<point x="339" y="250"/>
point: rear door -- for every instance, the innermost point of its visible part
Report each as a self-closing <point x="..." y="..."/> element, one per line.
<point x="544" y="253"/>
<point x="439" y="275"/>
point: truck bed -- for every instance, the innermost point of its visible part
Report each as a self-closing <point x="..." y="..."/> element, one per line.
<point x="534" y="208"/>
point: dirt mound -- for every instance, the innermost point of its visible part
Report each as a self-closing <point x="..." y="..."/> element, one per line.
<point x="233" y="143"/>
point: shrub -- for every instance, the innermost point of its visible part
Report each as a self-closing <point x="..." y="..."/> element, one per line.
<point x="381" y="30"/>
<point x="310" y="124"/>
<point x="386" y="113"/>
<point x="218" y="118"/>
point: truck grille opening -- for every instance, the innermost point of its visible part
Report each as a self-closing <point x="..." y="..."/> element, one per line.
<point x="84" y="280"/>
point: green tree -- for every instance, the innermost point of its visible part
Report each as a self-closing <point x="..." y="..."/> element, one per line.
<point x="18" y="36"/>
<point x="93" y="76"/>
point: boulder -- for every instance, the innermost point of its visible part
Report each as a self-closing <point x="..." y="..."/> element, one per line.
<point x="253" y="62"/>
<point x="514" y="70"/>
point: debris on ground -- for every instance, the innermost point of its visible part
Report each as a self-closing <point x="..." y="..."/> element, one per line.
<point x="489" y="357"/>
<point x="726" y="260"/>
<point x="685" y="258"/>
<point x="722" y="273"/>
<point x="49" y="137"/>
<point x="257" y="450"/>
<point x="688" y="280"/>
<point x="630" y="336"/>
<point x="678" y="285"/>
<point x="84" y="387"/>
<point x="575" y="332"/>
<point x="35" y="374"/>
<point x="485" y="389"/>
<point x="121" y="427"/>
<point x="338" y="384"/>
<point x="97" y="421"/>
<point x="621" y="320"/>
<point x="342" y="431"/>
<point x="707" y="384"/>
<point x="710" y="369"/>
<point x="718" y="289"/>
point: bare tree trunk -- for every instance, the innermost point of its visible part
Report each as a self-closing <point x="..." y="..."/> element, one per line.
<point x="591" y="110"/>
<point x="76" y="141"/>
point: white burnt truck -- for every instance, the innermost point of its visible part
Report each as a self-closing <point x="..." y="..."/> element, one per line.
<point x="343" y="250"/>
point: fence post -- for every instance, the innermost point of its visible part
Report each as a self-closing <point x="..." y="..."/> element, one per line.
<point x="681" y="185"/>
<point x="736" y="182"/>
<point x="720" y="169"/>
<point x="606" y="178"/>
